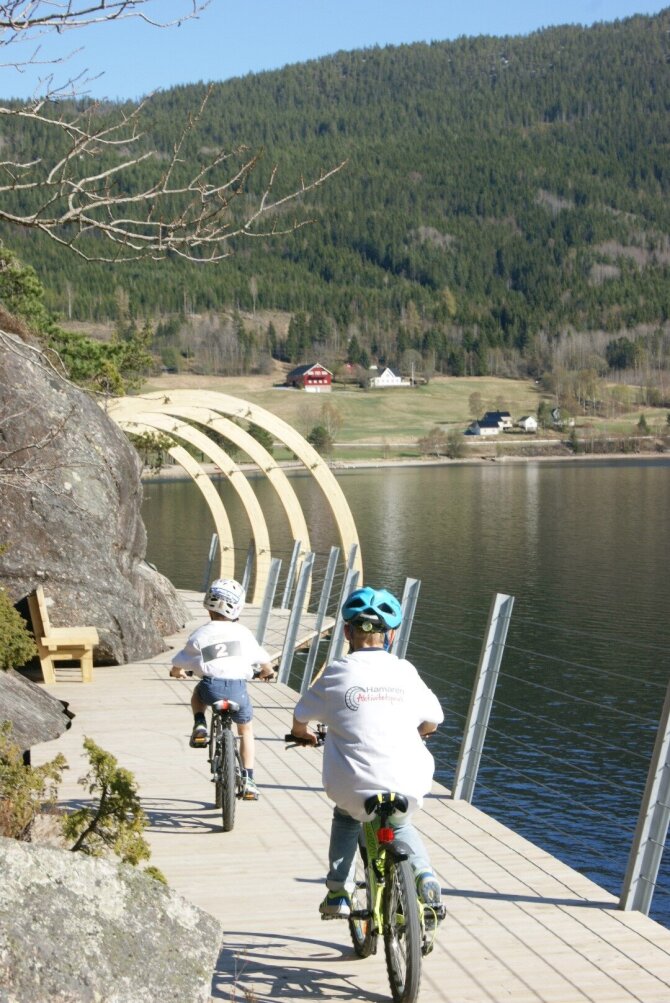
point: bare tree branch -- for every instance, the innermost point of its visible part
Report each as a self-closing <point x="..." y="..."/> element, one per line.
<point x="31" y="16"/>
<point x="88" y="189"/>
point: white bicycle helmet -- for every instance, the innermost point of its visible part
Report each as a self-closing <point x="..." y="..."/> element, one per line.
<point x="225" y="596"/>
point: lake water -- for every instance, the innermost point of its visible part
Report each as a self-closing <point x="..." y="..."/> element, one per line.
<point x="583" y="547"/>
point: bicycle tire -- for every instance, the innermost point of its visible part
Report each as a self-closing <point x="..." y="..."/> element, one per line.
<point x="363" y="936"/>
<point x="215" y="759"/>
<point x="402" y="931"/>
<point x="228" y="788"/>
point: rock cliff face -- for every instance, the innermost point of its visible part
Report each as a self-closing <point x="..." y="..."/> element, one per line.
<point x="70" y="495"/>
<point x="78" y="930"/>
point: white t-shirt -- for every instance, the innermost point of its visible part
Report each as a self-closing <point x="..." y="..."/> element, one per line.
<point x="373" y="703"/>
<point x="223" y="649"/>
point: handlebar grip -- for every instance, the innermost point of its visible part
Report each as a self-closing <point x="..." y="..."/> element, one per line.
<point x="294" y="740"/>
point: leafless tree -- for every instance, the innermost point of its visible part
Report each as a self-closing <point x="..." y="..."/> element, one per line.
<point x="86" y="189"/>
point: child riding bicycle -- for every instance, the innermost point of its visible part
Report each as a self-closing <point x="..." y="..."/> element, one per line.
<point x="377" y="710"/>
<point x="223" y="653"/>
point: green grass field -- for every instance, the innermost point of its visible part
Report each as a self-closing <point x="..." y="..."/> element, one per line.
<point x="372" y="424"/>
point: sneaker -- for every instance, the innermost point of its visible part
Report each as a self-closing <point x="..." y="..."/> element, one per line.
<point x="430" y="894"/>
<point x="249" y="791"/>
<point x="199" y="736"/>
<point x="336" y="905"/>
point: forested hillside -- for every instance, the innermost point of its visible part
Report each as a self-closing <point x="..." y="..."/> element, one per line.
<point x="505" y="208"/>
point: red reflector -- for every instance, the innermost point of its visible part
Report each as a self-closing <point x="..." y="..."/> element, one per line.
<point x="385" y="835"/>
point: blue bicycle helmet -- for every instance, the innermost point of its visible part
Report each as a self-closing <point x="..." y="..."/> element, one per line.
<point x="378" y="607"/>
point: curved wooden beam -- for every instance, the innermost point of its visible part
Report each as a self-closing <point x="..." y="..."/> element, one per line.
<point x="259" y="455"/>
<point x="234" y="407"/>
<point x="176" y="428"/>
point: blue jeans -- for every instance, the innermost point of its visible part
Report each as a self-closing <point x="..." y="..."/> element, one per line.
<point x="344" y="832"/>
<point x="210" y="688"/>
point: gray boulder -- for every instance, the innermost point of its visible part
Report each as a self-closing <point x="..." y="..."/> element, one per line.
<point x="79" y="930"/>
<point x="70" y="496"/>
<point x="35" y="715"/>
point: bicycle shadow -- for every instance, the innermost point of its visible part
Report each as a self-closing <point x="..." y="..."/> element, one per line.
<point x="255" y="966"/>
<point x="181" y="815"/>
<point x="163" y="816"/>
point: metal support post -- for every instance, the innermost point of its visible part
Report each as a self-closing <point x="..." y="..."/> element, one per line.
<point x="482" y="697"/>
<point x="290" y="639"/>
<point x="248" y="566"/>
<point x="210" y="560"/>
<point x="320" y="617"/>
<point x="291" y="574"/>
<point x="337" y="637"/>
<point x="409" y="600"/>
<point x="652" y="825"/>
<point x="268" y="598"/>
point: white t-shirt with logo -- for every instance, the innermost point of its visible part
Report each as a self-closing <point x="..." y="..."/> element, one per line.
<point x="223" y="649"/>
<point x="373" y="703"/>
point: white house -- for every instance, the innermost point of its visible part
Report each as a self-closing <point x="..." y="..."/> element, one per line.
<point x="503" y="419"/>
<point x="388" y="378"/>
<point x="483" y="427"/>
<point x="528" y="423"/>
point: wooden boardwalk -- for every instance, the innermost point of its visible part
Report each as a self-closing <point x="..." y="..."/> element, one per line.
<point x="520" y="926"/>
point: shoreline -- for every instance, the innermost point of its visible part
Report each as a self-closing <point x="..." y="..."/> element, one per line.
<point x="176" y="472"/>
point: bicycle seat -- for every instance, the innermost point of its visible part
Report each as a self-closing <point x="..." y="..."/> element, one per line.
<point x="373" y="804"/>
<point x="221" y="706"/>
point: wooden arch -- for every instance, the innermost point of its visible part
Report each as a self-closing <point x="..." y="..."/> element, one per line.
<point x="174" y="413"/>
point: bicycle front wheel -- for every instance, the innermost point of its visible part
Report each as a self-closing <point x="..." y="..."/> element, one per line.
<point x="361" y="924"/>
<point x="402" y="931"/>
<point x="228" y="791"/>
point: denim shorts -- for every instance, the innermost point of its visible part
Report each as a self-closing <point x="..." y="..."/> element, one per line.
<point x="210" y="689"/>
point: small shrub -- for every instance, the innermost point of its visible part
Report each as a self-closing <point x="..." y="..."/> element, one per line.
<point x="16" y="642"/>
<point x="25" y="791"/>
<point x="115" y="821"/>
<point x="321" y="439"/>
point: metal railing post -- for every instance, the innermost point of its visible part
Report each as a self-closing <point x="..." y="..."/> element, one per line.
<point x="248" y="566"/>
<point x="409" y="600"/>
<point x="290" y="575"/>
<point x="268" y="597"/>
<point x="210" y="560"/>
<point x="320" y="617"/>
<point x="288" y="649"/>
<point x="652" y="825"/>
<point x="337" y="636"/>
<point x="481" y="701"/>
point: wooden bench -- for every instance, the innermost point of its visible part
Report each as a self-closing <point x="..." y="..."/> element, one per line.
<point x="60" y="644"/>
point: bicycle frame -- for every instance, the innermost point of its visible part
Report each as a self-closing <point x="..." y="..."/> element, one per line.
<point x="379" y="840"/>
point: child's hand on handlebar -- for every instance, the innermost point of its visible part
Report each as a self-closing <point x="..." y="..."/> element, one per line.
<point x="178" y="673"/>
<point x="302" y="734"/>
<point x="265" y="673"/>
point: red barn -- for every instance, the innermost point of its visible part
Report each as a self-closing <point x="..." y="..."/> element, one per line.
<point x="313" y="378"/>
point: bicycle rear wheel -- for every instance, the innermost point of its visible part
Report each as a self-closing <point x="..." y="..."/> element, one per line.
<point x="402" y="931"/>
<point x="360" y="922"/>
<point x="228" y="789"/>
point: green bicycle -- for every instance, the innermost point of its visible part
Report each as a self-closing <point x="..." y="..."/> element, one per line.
<point x="385" y="902"/>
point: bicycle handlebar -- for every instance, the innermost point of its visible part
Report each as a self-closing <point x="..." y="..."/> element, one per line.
<point x="295" y="740"/>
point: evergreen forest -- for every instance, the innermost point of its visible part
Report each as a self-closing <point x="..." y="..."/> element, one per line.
<point x="503" y="209"/>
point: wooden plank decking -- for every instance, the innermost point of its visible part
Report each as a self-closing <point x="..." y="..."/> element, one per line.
<point x="521" y="926"/>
